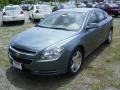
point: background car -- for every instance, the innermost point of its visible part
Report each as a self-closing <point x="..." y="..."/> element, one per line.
<point x="64" y="6"/>
<point x="12" y="13"/>
<point x="25" y="6"/>
<point x="39" y="11"/>
<point x="61" y="41"/>
<point x="110" y="8"/>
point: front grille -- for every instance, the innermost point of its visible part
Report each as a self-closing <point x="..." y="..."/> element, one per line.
<point x="21" y="60"/>
<point x="23" y="50"/>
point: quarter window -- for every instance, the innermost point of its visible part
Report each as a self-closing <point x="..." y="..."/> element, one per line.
<point x="92" y="18"/>
<point x="101" y="15"/>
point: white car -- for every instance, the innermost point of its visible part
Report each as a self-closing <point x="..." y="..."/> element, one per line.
<point x="12" y="13"/>
<point x="39" y="11"/>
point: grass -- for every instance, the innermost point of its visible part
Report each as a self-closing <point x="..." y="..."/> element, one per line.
<point x="100" y="71"/>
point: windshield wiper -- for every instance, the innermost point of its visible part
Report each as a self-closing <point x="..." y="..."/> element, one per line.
<point x="60" y="28"/>
<point x="37" y="25"/>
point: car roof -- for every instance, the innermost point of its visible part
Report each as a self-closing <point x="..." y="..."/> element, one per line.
<point x="79" y="9"/>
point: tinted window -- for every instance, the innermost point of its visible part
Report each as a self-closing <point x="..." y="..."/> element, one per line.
<point x="92" y="18"/>
<point x="101" y="15"/>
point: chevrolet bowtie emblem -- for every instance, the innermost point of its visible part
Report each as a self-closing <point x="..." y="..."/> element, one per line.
<point x="18" y="54"/>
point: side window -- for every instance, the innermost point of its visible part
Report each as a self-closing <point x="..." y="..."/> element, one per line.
<point x="92" y="18"/>
<point x="101" y="15"/>
<point x="105" y="14"/>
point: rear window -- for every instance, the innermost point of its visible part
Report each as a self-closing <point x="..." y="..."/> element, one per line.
<point x="42" y="7"/>
<point x="101" y="15"/>
<point x="12" y="8"/>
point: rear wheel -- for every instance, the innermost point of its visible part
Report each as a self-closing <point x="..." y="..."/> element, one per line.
<point x="3" y="23"/>
<point x="116" y="15"/>
<point x="109" y="37"/>
<point x="75" y="62"/>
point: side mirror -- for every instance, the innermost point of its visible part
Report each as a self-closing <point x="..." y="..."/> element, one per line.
<point x="92" y="25"/>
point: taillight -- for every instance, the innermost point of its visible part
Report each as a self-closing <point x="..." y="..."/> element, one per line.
<point x="36" y="11"/>
<point x="22" y="12"/>
<point x="4" y="13"/>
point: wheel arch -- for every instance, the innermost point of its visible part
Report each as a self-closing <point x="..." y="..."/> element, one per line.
<point x="82" y="48"/>
<point x="111" y="28"/>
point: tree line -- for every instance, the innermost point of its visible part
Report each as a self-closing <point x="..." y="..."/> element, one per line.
<point x="6" y="2"/>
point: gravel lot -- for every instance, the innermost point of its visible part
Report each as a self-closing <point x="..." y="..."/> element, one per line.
<point x="101" y="70"/>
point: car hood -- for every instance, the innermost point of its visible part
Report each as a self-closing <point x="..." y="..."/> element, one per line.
<point x="40" y="38"/>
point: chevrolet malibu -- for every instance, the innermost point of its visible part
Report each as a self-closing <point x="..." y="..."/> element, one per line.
<point x="61" y="41"/>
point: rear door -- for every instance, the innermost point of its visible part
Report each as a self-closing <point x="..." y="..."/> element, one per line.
<point x="103" y="24"/>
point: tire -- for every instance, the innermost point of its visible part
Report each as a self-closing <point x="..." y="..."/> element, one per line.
<point x="4" y="23"/>
<point x="76" y="58"/>
<point x="109" y="37"/>
<point x="33" y="19"/>
<point x="23" y="21"/>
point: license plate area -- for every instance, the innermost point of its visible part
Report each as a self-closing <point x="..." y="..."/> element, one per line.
<point x="17" y="65"/>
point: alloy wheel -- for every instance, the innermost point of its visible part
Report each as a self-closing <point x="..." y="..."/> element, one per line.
<point x="76" y="61"/>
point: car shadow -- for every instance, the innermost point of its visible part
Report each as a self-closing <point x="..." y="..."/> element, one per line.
<point x="27" y="81"/>
<point x="93" y="55"/>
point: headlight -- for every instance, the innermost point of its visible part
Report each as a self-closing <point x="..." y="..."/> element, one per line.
<point x="53" y="53"/>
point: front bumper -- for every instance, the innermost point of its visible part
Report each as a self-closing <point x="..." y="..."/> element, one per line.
<point x="38" y="67"/>
<point x="13" y="18"/>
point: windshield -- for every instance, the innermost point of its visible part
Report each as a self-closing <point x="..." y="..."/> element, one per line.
<point x="65" y="20"/>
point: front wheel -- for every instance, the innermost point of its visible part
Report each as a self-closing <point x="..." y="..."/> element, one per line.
<point x="75" y="62"/>
<point x="109" y="37"/>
